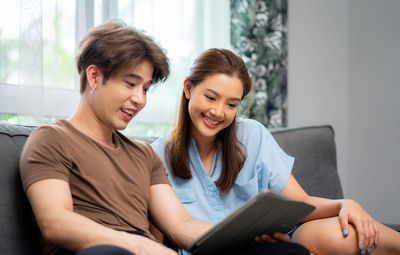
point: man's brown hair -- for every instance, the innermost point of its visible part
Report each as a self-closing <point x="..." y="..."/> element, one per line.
<point x="114" y="47"/>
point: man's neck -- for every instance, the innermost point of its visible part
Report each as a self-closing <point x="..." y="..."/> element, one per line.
<point x="87" y="122"/>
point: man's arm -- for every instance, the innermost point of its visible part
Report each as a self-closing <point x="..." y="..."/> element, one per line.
<point x="171" y="217"/>
<point x="52" y="205"/>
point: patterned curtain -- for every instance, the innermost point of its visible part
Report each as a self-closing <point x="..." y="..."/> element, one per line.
<point x="259" y="36"/>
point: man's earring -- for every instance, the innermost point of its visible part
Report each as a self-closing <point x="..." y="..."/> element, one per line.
<point x="91" y="91"/>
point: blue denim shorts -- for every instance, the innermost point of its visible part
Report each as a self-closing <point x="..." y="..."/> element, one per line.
<point x="291" y="232"/>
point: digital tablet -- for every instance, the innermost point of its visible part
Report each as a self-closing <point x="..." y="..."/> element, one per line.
<point x="266" y="213"/>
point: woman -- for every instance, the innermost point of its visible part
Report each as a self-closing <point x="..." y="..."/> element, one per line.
<point x="216" y="162"/>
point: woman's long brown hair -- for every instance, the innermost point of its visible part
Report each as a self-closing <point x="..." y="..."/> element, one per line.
<point x="209" y="62"/>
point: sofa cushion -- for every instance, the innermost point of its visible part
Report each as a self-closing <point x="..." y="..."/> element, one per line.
<point x="315" y="164"/>
<point x="314" y="168"/>
<point x="19" y="234"/>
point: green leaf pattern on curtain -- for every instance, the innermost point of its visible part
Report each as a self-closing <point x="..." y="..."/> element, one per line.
<point x="259" y="36"/>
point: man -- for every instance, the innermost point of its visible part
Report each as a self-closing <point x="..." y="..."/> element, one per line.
<point x="93" y="190"/>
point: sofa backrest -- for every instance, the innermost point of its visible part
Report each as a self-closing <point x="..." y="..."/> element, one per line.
<point x="315" y="158"/>
<point x="314" y="168"/>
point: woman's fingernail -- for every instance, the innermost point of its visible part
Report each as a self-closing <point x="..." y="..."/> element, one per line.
<point x="369" y="250"/>
<point x="376" y="243"/>
<point x="345" y="232"/>
<point x="363" y="252"/>
<point x="361" y="247"/>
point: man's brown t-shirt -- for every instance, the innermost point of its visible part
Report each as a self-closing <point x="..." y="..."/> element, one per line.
<point x="109" y="186"/>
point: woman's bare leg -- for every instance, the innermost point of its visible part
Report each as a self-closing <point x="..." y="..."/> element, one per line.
<point x="324" y="236"/>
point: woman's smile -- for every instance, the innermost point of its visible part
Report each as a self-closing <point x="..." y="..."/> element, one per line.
<point x="210" y="122"/>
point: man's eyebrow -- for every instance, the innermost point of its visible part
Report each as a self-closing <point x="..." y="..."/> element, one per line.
<point x="133" y="75"/>
<point x="216" y="93"/>
<point x="136" y="76"/>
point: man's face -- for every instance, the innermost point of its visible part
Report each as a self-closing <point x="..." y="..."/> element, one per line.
<point x="122" y="97"/>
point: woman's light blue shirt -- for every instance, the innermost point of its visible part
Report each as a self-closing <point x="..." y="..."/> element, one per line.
<point x="267" y="166"/>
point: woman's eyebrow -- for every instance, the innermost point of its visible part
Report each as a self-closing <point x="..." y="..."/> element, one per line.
<point x="216" y="93"/>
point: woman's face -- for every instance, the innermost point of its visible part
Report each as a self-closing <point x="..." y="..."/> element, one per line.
<point x="213" y="104"/>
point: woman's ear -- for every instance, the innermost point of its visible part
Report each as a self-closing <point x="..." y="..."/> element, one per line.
<point x="94" y="77"/>
<point x="187" y="87"/>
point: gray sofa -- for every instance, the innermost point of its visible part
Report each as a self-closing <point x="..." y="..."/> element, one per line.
<point x="314" y="168"/>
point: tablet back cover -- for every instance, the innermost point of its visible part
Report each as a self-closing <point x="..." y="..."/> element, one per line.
<point x="266" y="213"/>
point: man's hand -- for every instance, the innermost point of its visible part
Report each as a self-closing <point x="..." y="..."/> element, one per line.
<point x="141" y="245"/>
<point x="276" y="237"/>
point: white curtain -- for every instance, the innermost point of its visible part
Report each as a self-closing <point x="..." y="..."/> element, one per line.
<point x="38" y="76"/>
<point x="34" y="86"/>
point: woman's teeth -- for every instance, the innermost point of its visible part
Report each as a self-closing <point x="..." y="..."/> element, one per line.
<point x="211" y="121"/>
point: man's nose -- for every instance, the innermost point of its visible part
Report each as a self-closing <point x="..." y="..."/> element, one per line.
<point x="138" y="96"/>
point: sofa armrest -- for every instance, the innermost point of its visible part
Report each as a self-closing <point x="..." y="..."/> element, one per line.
<point x="394" y="226"/>
<point x="19" y="233"/>
<point x="315" y="160"/>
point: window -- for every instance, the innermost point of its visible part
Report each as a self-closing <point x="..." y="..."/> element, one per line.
<point x="38" y="38"/>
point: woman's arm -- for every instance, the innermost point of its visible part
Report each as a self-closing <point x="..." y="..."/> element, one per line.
<point x="325" y="208"/>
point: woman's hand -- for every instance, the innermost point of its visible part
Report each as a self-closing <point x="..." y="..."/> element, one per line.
<point x="367" y="229"/>
<point x="276" y="237"/>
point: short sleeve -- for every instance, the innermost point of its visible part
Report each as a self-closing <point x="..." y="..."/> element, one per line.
<point x="158" y="172"/>
<point x="271" y="164"/>
<point x="43" y="157"/>
<point x="278" y="163"/>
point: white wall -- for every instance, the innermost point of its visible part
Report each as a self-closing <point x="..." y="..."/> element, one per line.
<point x="344" y="70"/>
